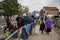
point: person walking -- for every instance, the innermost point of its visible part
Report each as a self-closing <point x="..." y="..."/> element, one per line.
<point x="42" y="26"/>
<point x="48" y="24"/>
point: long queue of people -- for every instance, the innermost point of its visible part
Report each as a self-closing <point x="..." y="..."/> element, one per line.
<point x="44" y="25"/>
<point x="25" y="22"/>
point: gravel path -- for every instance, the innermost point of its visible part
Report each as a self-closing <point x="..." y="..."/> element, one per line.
<point x="53" y="35"/>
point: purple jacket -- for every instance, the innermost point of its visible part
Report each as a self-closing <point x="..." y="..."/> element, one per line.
<point x="48" y="23"/>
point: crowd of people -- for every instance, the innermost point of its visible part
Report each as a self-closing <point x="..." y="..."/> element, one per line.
<point x="9" y="29"/>
<point x="21" y="26"/>
<point x="45" y="25"/>
<point x="26" y="24"/>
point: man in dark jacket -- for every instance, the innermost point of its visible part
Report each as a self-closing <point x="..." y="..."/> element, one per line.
<point x="19" y="21"/>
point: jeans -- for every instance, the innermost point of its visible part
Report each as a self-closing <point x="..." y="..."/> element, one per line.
<point x="24" y="34"/>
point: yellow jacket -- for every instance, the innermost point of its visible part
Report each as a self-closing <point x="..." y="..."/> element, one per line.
<point x="7" y="34"/>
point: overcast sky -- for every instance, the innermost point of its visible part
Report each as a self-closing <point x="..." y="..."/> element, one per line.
<point x="39" y="4"/>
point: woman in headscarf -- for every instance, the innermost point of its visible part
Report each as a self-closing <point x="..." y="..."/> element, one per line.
<point x="48" y="24"/>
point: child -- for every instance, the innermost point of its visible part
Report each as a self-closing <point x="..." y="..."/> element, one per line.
<point x="42" y="26"/>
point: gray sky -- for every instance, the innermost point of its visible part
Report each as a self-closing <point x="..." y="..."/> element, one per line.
<point x="1" y="0"/>
<point x="38" y="4"/>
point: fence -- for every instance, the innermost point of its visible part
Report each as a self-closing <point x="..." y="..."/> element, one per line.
<point x="57" y="22"/>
